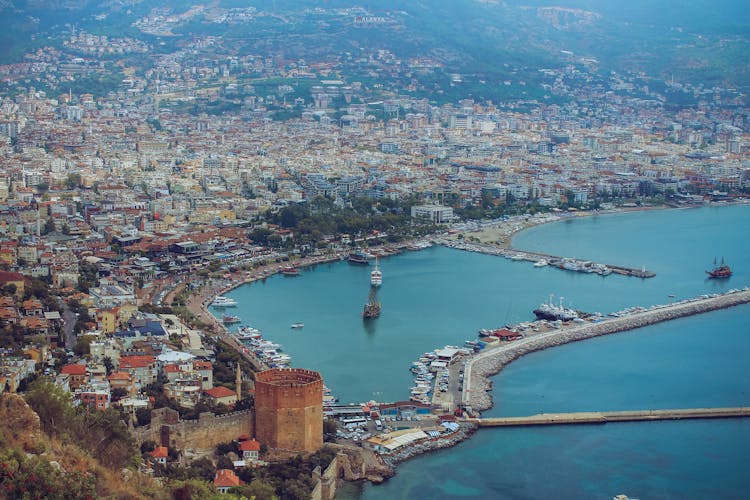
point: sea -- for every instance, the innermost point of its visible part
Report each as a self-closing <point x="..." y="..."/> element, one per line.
<point x="441" y="296"/>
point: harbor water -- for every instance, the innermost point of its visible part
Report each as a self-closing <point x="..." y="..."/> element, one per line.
<point x="442" y="296"/>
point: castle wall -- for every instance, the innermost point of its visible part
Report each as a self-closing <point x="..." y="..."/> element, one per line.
<point x="209" y="430"/>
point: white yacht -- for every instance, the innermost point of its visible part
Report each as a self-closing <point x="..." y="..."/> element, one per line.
<point x="376" y="276"/>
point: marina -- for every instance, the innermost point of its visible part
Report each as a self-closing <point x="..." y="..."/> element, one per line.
<point x="627" y="305"/>
<point x="544" y="260"/>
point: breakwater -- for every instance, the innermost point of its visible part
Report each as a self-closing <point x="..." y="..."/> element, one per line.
<point x="475" y="396"/>
<point x="565" y="263"/>
<point x="603" y="417"/>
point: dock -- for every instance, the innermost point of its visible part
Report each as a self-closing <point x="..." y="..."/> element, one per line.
<point x="564" y="263"/>
<point x="604" y="417"/>
<point x="474" y="394"/>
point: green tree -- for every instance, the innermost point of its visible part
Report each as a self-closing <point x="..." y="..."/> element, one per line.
<point x="258" y="489"/>
<point x="52" y="404"/>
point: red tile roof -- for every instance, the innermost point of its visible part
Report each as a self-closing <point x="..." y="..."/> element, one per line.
<point x="226" y="478"/>
<point x="73" y="370"/>
<point x="251" y="445"/>
<point x="219" y="392"/>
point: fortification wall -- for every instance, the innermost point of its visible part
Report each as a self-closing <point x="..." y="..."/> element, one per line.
<point x="205" y="433"/>
<point x="325" y="485"/>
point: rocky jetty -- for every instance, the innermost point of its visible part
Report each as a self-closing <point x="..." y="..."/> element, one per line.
<point x="465" y="430"/>
<point x="493" y="360"/>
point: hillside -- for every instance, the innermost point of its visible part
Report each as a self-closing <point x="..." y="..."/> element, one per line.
<point x="700" y="43"/>
<point x="36" y="464"/>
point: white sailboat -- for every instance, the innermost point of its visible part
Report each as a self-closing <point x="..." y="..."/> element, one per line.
<point x="376" y="276"/>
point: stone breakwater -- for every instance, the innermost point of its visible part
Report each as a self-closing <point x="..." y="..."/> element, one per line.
<point x="490" y="362"/>
<point x="465" y="430"/>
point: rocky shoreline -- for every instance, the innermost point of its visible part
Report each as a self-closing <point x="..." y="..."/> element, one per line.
<point x="465" y="430"/>
<point x="491" y="362"/>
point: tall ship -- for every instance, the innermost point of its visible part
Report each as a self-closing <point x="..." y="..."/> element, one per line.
<point x="720" y="271"/>
<point x="376" y="275"/>
<point x="372" y="308"/>
<point x="359" y="257"/>
<point x="553" y="312"/>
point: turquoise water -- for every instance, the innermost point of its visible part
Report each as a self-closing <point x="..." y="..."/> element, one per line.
<point x="441" y="296"/>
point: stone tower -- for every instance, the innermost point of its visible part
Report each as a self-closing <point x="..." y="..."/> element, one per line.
<point x="289" y="409"/>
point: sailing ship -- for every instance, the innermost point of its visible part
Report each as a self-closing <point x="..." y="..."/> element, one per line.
<point x="376" y="276"/>
<point x="720" y="271"/>
<point x="372" y="308"/>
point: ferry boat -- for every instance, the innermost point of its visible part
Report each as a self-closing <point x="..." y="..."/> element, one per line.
<point x="720" y="271"/>
<point x="372" y="308"/>
<point x="229" y="319"/>
<point x="552" y="312"/>
<point x="290" y="271"/>
<point x="376" y="276"/>
<point x="359" y="257"/>
<point x="222" y="301"/>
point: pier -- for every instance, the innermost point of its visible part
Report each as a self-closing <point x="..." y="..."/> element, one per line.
<point x="603" y="417"/>
<point x="564" y="263"/>
<point x="474" y="393"/>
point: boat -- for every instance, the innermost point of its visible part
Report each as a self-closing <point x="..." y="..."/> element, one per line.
<point x="359" y="257"/>
<point x="222" y="301"/>
<point x="541" y="263"/>
<point x="376" y="276"/>
<point x="720" y="271"/>
<point x="298" y="325"/>
<point x="247" y="333"/>
<point x="229" y="319"/>
<point x="372" y="308"/>
<point x="552" y="312"/>
<point x="290" y="271"/>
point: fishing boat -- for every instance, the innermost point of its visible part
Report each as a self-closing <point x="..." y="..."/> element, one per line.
<point x="372" y="308"/>
<point x="720" y="271"/>
<point x="376" y="276"/>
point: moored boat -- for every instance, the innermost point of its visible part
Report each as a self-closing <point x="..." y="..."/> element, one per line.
<point x="229" y="319"/>
<point x="552" y="312"/>
<point x="359" y="257"/>
<point x="290" y="271"/>
<point x="222" y="301"/>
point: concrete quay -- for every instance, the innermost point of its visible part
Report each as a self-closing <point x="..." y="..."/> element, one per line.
<point x="603" y="417"/>
<point x="574" y="265"/>
<point x="475" y="396"/>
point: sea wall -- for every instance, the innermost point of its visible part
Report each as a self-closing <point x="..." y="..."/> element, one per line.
<point x="492" y="361"/>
